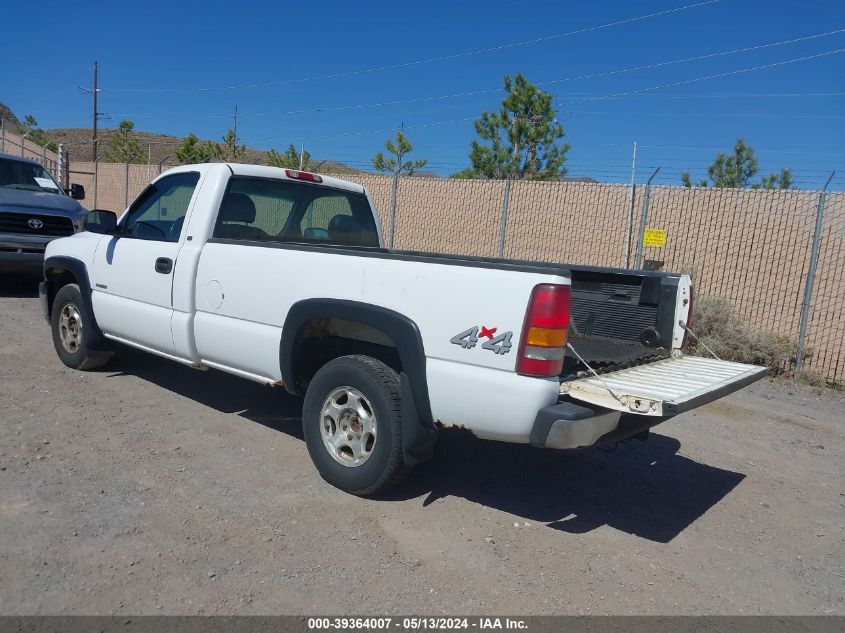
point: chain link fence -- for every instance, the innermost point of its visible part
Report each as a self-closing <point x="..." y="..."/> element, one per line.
<point x="11" y="142"/>
<point x="752" y="247"/>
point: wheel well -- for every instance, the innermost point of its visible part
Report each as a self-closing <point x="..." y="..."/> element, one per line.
<point x="322" y="340"/>
<point x="56" y="279"/>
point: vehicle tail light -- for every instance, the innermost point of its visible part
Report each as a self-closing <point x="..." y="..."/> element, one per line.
<point x="545" y="330"/>
<point x="689" y="319"/>
<point x="302" y="175"/>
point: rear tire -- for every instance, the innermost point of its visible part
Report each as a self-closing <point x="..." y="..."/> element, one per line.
<point x="352" y="424"/>
<point x="71" y="332"/>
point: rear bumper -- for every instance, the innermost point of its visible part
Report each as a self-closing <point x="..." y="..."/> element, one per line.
<point x="570" y="425"/>
<point x="578" y="425"/>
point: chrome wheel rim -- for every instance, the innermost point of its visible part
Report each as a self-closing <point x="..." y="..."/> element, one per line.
<point x="70" y="328"/>
<point x="348" y="426"/>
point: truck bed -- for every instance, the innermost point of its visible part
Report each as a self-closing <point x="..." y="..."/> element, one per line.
<point x="620" y="318"/>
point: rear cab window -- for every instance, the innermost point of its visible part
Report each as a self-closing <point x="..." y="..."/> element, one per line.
<point x="274" y="210"/>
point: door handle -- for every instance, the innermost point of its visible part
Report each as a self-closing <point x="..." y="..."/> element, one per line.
<point x="164" y="265"/>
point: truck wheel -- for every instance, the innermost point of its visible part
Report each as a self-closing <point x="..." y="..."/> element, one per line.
<point x="351" y="420"/>
<point x="70" y="330"/>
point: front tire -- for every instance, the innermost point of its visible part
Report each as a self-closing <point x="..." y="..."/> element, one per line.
<point x="71" y="331"/>
<point x="352" y="424"/>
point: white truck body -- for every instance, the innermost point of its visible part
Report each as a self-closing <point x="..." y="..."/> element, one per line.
<point x="204" y="300"/>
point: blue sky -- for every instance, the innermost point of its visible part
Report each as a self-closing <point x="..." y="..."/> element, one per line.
<point x="155" y="57"/>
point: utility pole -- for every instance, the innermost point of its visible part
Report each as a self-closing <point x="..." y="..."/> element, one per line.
<point x="235" y="128"/>
<point x="94" y="117"/>
<point x="301" y="155"/>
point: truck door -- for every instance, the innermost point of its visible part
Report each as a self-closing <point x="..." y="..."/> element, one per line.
<point x="133" y="270"/>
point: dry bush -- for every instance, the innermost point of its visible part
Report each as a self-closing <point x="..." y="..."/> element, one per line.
<point x="730" y="338"/>
<point x="815" y="379"/>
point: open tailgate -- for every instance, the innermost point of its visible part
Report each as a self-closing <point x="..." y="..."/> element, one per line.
<point x="665" y="387"/>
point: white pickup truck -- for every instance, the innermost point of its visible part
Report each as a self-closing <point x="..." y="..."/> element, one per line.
<point x="281" y="277"/>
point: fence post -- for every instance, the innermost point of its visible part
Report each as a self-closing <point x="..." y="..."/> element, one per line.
<point x="60" y="167"/>
<point x="629" y="225"/>
<point x="811" y="277"/>
<point x="2" y="135"/>
<point x="393" y="195"/>
<point x="643" y="218"/>
<point x="126" y="186"/>
<point x="629" y="228"/>
<point x="96" y="165"/>
<point x="506" y="200"/>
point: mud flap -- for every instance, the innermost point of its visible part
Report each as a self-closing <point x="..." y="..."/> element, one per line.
<point x="418" y="435"/>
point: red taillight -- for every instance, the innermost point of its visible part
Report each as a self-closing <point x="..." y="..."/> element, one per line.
<point x="302" y="175"/>
<point x="544" y="332"/>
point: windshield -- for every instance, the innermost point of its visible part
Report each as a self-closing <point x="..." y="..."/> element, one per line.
<point x="17" y="174"/>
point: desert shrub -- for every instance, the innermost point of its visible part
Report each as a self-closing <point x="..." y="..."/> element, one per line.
<point x="812" y="378"/>
<point x="719" y="328"/>
<point x="815" y="379"/>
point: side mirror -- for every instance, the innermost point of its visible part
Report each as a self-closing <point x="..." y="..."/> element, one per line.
<point x="101" y="221"/>
<point x="77" y="192"/>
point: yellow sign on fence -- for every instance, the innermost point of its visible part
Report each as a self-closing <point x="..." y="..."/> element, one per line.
<point x="654" y="237"/>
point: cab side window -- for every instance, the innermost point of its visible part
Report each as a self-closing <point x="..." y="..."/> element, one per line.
<point x="159" y="212"/>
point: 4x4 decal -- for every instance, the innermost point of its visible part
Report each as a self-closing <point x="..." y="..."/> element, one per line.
<point x="469" y="338"/>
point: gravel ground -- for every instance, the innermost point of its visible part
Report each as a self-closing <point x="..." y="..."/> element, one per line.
<point x="147" y="487"/>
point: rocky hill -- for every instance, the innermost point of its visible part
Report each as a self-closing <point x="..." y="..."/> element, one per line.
<point x="8" y="116"/>
<point x="160" y="148"/>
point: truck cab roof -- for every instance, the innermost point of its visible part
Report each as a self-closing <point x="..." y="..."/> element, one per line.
<point x="263" y="171"/>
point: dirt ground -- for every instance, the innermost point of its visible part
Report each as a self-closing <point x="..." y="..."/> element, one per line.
<point x="147" y="487"/>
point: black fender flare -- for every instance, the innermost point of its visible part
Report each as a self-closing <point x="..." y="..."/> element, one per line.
<point x="418" y="430"/>
<point x="97" y="342"/>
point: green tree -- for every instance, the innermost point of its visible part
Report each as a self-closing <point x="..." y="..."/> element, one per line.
<point x="783" y="180"/>
<point x="397" y="164"/>
<point x="521" y="140"/>
<point x="229" y="150"/>
<point x="29" y="127"/>
<point x="736" y="170"/>
<point x="465" y="174"/>
<point x="289" y="159"/>
<point x="123" y="146"/>
<point x="192" y="151"/>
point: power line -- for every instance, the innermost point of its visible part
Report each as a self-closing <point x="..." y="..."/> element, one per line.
<point x="716" y="76"/>
<point x="751" y="115"/>
<point x="676" y="83"/>
<point x="441" y="97"/>
<point x="696" y="57"/>
<point x="429" y="60"/>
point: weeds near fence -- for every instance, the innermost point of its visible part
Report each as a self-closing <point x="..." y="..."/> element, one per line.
<point x="815" y="379"/>
<point x="730" y="338"/>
